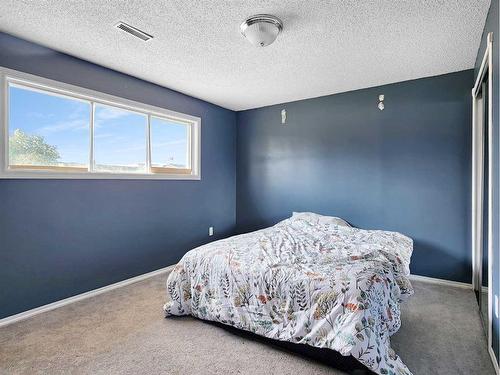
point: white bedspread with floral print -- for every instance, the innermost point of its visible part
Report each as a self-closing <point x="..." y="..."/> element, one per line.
<point x="306" y="280"/>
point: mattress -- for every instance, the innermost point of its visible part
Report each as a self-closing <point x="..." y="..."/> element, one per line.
<point x="309" y="279"/>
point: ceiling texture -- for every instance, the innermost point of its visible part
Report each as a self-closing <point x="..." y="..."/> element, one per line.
<point x="326" y="47"/>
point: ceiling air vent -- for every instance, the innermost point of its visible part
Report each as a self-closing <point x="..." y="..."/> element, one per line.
<point x="133" y="31"/>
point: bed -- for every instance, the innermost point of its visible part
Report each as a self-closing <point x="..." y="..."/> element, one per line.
<point x="310" y="279"/>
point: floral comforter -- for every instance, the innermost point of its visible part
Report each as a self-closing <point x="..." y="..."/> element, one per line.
<point x="307" y="280"/>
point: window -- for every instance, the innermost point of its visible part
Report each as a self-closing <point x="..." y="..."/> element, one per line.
<point x="170" y="149"/>
<point x="54" y="130"/>
<point x="47" y="131"/>
<point x="119" y="140"/>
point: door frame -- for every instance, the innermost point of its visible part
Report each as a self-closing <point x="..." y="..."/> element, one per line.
<point x="486" y="69"/>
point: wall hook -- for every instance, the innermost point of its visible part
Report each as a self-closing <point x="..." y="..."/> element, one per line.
<point x="381" y="105"/>
<point x="283" y="116"/>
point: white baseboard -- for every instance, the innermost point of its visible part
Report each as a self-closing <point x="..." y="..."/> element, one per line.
<point x="432" y="280"/>
<point x="30" y="313"/>
<point x="51" y="306"/>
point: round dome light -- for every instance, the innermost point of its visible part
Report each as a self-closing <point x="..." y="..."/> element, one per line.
<point x="262" y="29"/>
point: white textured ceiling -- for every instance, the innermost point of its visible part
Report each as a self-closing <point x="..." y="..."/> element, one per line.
<point x="326" y="46"/>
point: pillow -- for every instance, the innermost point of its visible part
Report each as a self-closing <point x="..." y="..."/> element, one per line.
<point x="312" y="217"/>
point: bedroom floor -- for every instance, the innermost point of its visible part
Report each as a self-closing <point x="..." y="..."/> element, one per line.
<point x="124" y="332"/>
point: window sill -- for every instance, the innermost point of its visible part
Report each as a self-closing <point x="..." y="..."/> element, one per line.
<point x="56" y="175"/>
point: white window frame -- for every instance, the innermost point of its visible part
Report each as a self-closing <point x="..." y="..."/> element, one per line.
<point x="30" y="81"/>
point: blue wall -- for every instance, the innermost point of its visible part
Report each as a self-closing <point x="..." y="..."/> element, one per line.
<point x="59" y="238"/>
<point x="406" y="168"/>
<point x="492" y="25"/>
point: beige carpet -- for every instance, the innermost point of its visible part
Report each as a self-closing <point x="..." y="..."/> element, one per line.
<point x="124" y="332"/>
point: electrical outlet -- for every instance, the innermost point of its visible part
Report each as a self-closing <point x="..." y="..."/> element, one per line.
<point x="211" y="231"/>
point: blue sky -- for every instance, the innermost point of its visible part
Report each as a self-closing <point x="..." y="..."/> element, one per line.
<point x="119" y="136"/>
<point x="169" y="142"/>
<point x="63" y="123"/>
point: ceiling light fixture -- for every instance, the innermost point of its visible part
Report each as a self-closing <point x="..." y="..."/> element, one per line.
<point x="262" y="29"/>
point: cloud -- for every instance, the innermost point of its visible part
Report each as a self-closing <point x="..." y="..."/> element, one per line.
<point x="104" y="135"/>
<point x="170" y="143"/>
<point x="77" y="119"/>
<point x="78" y="124"/>
<point x="109" y="113"/>
<point x="40" y="116"/>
